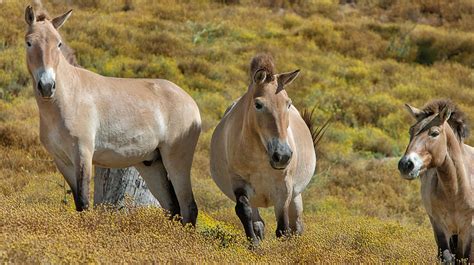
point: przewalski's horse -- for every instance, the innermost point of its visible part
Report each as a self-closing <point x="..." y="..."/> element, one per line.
<point x="88" y="119"/>
<point x="437" y="154"/>
<point x="262" y="152"/>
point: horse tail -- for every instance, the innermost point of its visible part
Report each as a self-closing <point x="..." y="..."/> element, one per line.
<point x="317" y="133"/>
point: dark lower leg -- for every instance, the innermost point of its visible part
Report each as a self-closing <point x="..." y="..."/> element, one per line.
<point x="444" y="252"/>
<point x="244" y="212"/>
<point x="283" y="225"/>
<point x="175" y="209"/>
<point x="258" y="224"/>
<point x="81" y="198"/>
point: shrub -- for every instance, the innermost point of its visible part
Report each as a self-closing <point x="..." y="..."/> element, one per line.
<point x="321" y="31"/>
<point x="435" y="46"/>
<point x="374" y="141"/>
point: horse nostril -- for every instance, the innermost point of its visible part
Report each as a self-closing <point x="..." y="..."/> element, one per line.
<point x="405" y="165"/>
<point x="285" y="158"/>
<point x="276" y="157"/>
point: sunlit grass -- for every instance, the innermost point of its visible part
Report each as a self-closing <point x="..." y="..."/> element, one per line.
<point x="359" y="65"/>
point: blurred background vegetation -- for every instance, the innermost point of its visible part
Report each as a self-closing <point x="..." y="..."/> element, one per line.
<point x="360" y="61"/>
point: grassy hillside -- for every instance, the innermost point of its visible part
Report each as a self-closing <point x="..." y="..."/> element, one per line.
<point x="359" y="64"/>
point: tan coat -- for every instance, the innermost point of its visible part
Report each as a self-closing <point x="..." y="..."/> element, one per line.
<point x="87" y="119"/>
<point x="262" y="153"/>
<point x="445" y="165"/>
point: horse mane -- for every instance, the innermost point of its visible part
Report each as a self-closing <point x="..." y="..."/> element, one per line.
<point x="263" y="62"/>
<point x="42" y="16"/>
<point x="317" y="133"/>
<point x="70" y="55"/>
<point x="41" y="13"/>
<point x="457" y="120"/>
<point x="66" y="50"/>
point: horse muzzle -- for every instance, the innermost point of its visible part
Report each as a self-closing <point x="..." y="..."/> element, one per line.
<point x="46" y="89"/>
<point x="46" y="82"/>
<point x="410" y="166"/>
<point x="279" y="153"/>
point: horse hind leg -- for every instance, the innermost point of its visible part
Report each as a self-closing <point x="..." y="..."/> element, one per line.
<point x="463" y="250"/>
<point x="156" y="178"/>
<point x="177" y="159"/>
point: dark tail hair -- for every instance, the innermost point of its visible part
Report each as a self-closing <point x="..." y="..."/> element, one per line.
<point x="317" y="133"/>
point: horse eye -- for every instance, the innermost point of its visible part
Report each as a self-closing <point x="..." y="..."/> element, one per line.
<point x="258" y="105"/>
<point x="434" y="133"/>
<point x="28" y="44"/>
<point x="289" y="105"/>
<point x="60" y="44"/>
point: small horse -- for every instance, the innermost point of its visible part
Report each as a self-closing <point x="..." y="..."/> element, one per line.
<point x="87" y="119"/>
<point x="262" y="152"/>
<point x="437" y="154"/>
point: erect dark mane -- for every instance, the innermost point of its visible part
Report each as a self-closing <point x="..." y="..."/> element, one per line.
<point x="42" y="16"/>
<point x="263" y="62"/>
<point x="457" y="120"/>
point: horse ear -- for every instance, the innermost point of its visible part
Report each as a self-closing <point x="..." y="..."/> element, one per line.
<point x="59" y="21"/>
<point x="30" y="16"/>
<point x="260" y="76"/>
<point x="286" y="79"/>
<point x="445" y="114"/>
<point x="415" y="112"/>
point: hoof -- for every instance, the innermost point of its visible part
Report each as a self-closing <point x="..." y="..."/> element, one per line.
<point x="259" y="228"/>
<point x="447" y="257"/>
<point x="81" y="208"/>
<point x="254" y="243"/>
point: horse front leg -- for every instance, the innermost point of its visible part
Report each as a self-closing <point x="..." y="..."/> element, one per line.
<point x="244" y="212"/>
<point x="66" y="167"/>
<point x="83" y="173"/>
<point x="258" y="224"/>
<point x="296" y="215"/>
<point x="282" y="205"/>
<point x="444" y="252"/>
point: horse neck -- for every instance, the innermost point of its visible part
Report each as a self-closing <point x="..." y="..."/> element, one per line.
<point x="452" y="173"/>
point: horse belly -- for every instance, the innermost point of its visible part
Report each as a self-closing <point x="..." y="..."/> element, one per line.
<point x="119" y="154"/>
<point x="219" y="173"/>
<point x="304" y="164"/>
<point x="303" y="173"/>
<point x="219" y="166"/>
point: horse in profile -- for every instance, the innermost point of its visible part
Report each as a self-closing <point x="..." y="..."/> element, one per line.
<point x="437" y="154"/>
<point x="262" y="152"/>
<point x="87" y="119"/>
